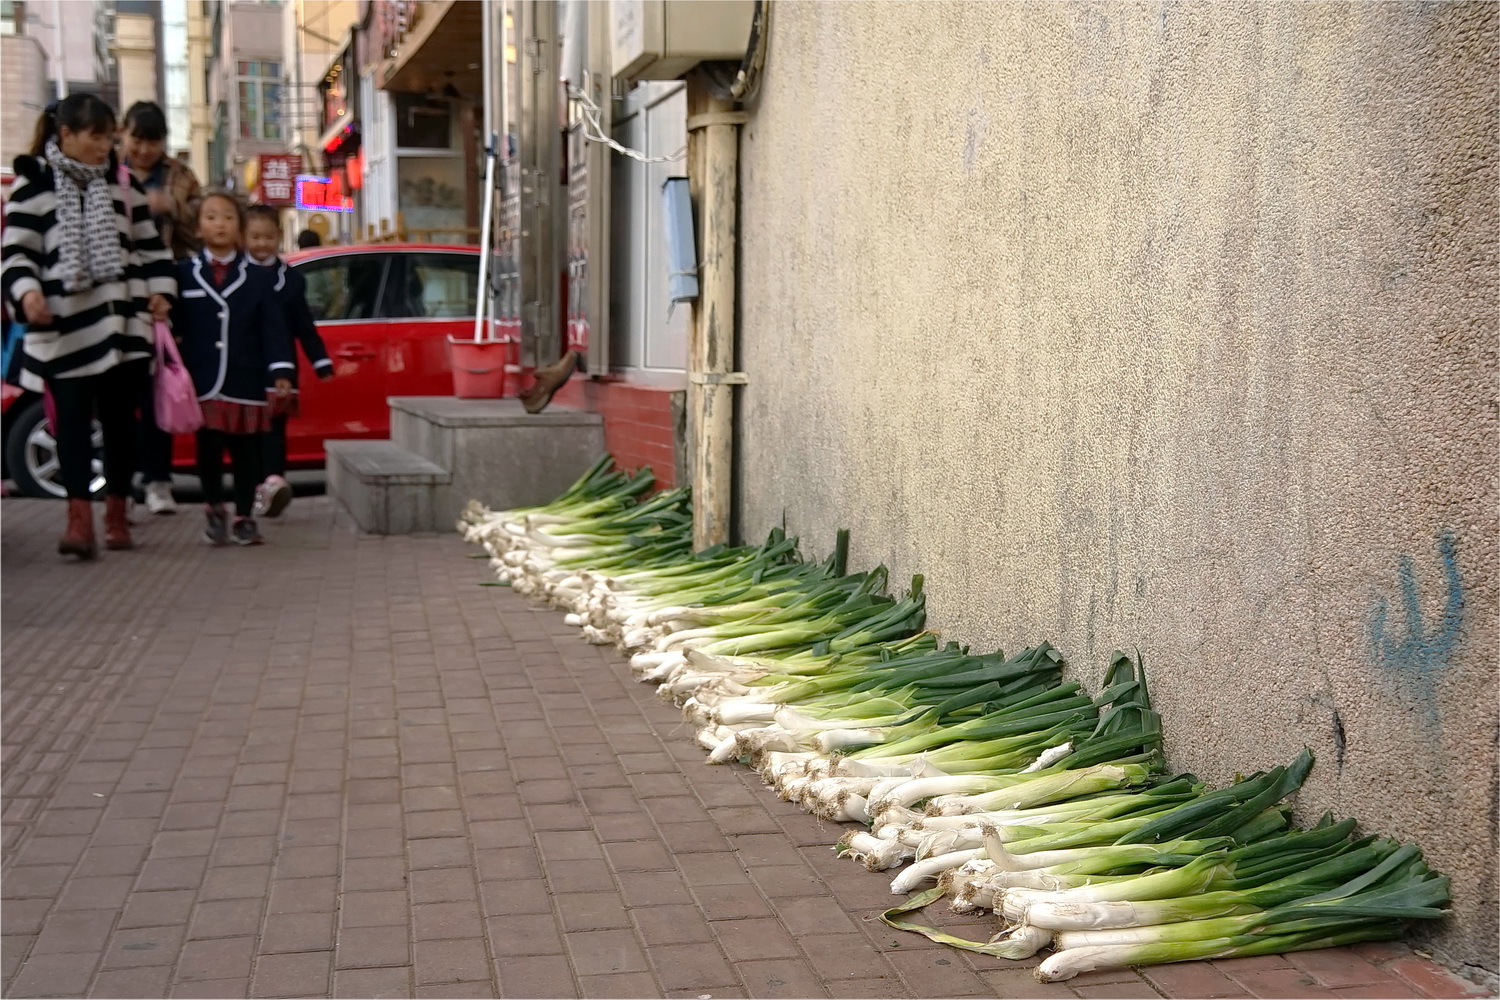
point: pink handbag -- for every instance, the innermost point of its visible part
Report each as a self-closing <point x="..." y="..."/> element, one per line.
<point x="177" y="409"/>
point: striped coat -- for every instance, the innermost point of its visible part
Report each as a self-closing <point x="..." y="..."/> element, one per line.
<point x="93" y="330"/>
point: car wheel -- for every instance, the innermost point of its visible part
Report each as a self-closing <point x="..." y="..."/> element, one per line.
<point x="31" y="455"/>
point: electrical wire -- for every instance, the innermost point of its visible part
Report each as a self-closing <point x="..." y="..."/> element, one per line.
<point x="593" y="131"/>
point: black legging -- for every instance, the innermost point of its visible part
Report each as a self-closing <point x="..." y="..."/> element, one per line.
<point x="273" y="447"/>
<point x="112" y="396"/>
<point x="154" y="445"/>
<point x="244" y="457"/>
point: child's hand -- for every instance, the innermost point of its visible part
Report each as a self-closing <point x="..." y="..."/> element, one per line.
<point x="325" y="373"/>
<point x="283" y="388"/>
<point x="160" y="307"/>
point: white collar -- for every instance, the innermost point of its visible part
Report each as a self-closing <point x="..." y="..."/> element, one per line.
<point x="270" y="261"/>
<point x="213" y="258"/>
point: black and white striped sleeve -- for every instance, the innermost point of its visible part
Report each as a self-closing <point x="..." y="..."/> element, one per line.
<point x="149" y="255"/>
<point x="28" y="213"/>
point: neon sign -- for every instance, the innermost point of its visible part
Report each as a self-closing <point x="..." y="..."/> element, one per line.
<point x="322" y="194"/>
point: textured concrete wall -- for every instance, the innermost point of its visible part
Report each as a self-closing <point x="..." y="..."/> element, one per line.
<point x="1158" y="325"/>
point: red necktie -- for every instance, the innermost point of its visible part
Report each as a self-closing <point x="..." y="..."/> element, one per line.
<point x="221" y="271"/>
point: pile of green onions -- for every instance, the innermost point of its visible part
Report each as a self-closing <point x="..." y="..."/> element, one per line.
<point x="990" y="775"/>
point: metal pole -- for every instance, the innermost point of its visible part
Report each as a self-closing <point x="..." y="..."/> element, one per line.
<point x="482" y="303"/>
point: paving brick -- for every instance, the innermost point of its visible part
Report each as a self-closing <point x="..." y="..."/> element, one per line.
<point x="75" y="931"/>
<point x="1433" y="980"/>
<point x="373" y="873"/>
<point x="296" y="932"/>
<point x="227" y="958"/>
<point x="172" y="873"/>
<point x="1192" y="979"/>
<point x="23" y="916"/>
<point x="226" y="918"/>
<point x="442" y="885"/>
<point x="144" y="982"/>
<point x="374" y="843"/>
<point x="372" y="984"/>
<point x="1279" y="983"/>
<point x="621" y="985"/>
<point x="107" y="892"/>
<point x="234" y="882"/>
<point x="1020" y="983"/>
<point x="940" y="973"/>
<point x="535" y="976"/>
<point x="453" y="961"/>
<point x="35" y="881"/>
<point x="597" y="953"/>
<point x="374" y="909"/>
<point x="1334" y="967"/>
<point x="51" y="975"/>
<point x="442" y="852"/>
<point x="1136" y="990"/>
<point x="523" y="934"/>
<point x="781" y="978"/>
<point x="372" y="947"/>
<point x="303" y="895"/>
<point x="446" y="921"/>
<point x="291" y="975"/>
<point x="142" y="946"/>
<point x="690" y="966"/>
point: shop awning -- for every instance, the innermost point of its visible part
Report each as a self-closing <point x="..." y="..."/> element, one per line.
<point x="444" y="48"/>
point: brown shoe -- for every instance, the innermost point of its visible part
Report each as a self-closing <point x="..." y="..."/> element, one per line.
<point x="116" y="524"/>
<point x="548" y="381"/>
<point x="78" y="538"/>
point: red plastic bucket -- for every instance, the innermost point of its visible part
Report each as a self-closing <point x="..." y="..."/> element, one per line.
<point x="478" y="368"/>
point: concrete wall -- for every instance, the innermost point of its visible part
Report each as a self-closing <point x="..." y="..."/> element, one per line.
<point x="23" y="81"/>
<point x="1158" y="325"/>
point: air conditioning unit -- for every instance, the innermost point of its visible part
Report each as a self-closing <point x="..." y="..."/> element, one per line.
<point x="663" y="39"/>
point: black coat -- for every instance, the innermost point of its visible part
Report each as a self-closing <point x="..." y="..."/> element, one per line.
<point x="291" y="291"/>
<point x="233" y="339"/>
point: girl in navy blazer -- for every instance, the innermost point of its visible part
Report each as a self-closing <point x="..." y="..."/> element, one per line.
<point x="235" y="344"/>
<point x="262" y="239"/>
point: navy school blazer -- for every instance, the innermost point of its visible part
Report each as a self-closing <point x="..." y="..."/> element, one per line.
<point x="291" y="291"/>
<point x="234" y="339"/>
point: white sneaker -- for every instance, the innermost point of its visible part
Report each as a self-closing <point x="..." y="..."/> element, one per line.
<point x="272" y="496"/>
<point x="159" y="498"/>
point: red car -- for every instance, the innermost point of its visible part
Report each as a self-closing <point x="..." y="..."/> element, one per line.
<point x="384" y="310"/>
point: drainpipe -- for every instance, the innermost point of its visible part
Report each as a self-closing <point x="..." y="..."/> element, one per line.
<point x="715" y="133"/>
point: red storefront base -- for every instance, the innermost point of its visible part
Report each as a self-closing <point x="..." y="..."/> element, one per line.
<point x="640" y="421"/>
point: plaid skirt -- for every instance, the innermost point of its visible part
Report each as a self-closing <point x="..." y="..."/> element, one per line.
<point x="235" y="418"/>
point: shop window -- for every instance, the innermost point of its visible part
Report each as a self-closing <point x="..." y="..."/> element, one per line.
<point x="422" y="123"/>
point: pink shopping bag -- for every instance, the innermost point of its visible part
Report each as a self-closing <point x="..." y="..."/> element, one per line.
<point x="177" y="409"/>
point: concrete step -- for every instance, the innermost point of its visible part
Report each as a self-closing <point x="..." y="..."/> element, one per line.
<point x="388" y="489"/>
<point x="498" y="453"/>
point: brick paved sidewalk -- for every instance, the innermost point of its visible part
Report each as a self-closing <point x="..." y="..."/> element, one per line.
<point x="334" y="766"/>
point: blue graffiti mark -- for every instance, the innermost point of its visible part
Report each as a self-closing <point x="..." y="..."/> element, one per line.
<point x="1421" y="652"/>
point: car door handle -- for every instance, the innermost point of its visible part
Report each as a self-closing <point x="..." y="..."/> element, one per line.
<point x="354" y="352"/>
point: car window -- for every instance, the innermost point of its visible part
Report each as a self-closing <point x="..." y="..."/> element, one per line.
<point x="346" y="286"/>
<point x="433" y="286"/>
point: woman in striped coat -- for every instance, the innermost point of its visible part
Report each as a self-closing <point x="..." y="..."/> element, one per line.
<point x="82" y="262"/>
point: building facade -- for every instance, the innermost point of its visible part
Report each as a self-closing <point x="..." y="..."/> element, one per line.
<point x="138" y="52"/>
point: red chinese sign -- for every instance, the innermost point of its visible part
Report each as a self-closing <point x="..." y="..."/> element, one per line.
<point x="278" y="177"/>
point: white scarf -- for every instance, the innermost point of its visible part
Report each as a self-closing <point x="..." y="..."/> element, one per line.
<point x="89" y="251"/>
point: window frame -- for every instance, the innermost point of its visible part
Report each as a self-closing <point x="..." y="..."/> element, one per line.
<point x="253" y="73"/>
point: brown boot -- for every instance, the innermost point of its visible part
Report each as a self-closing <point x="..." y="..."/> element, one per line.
<point x="116" y="524"/>
<point x="78" y="539"/>
<point x="548" y="381"/>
